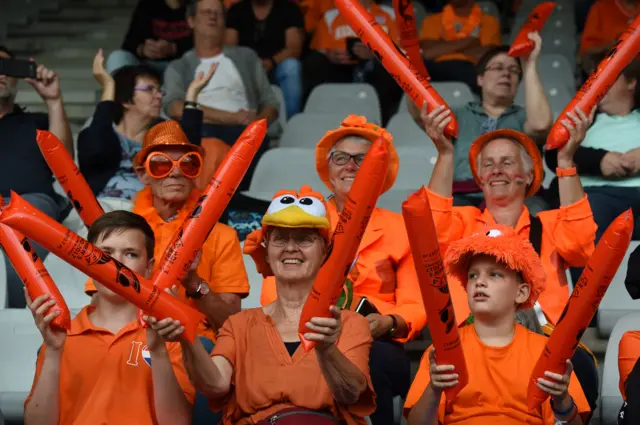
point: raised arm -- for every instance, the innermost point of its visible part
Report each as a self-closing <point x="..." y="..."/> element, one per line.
<point x="434" y="123"/>
<point x="539" y="115"/>
<point x="43" y="404"/>
<point x="210" y="375"/>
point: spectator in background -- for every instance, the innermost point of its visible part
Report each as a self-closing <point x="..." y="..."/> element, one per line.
<point x="98" y="370"/>
<point x="606" y="20"/>
<point x="313" y="12"/>
<point x="338" y="56"/>
<point x="131" y="103"/>
<point x="608" y="159"/>
<point x="24" y="170"/>
<point x="453" y="41"/>
<point x="274" y="29"/>
<point x="383" y="272"/>
<point x="158" y="33"/>
<point x="236" y="95"/>
<point x="498" y="76"/>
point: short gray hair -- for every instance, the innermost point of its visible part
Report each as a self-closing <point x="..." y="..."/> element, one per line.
<point x="192" y="7"/>
<point x="358" y="139"/>
<point x="527" y="162"/>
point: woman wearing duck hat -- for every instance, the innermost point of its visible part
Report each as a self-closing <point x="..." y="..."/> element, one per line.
<point x="383" y="274"/>
<point x="257" y="372"/>
<point x="507" y="165"/>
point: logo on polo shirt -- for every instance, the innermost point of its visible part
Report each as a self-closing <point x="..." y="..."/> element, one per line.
<point x="146" y="355"/>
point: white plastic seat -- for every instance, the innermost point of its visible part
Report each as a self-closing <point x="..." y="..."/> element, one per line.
<point x="406" y="132"/>
<point x="416" y="166"/>
<point x="345" y="98"/>
<point x="304" y="130"/>
<point x="255" y="282"/>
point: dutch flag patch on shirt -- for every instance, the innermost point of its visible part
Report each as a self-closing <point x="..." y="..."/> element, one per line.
<point x="146" y="355"/>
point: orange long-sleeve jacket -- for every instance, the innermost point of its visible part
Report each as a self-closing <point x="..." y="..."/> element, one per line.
<point x="568" y="235"/>
<point x="384" y="270"/>
<point x="628" y="355"/>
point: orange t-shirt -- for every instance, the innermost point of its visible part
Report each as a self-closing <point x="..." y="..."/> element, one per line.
<point x="313" y="12"/>
<point x="106" y="378"/>
<point x="498" y="380"/>
<point x="333" y="30"/>
<point x="266" y="379"/>
<point x="607" y="19"/>
<point x="384" y="271"/>
<point x="488" y="33"/>
<point x="568" y="234"/>
<point x="628" y="355"/>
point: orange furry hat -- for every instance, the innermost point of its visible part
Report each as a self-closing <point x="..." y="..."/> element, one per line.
<point x="503" y="243"/>
<point x="303" y="209"/>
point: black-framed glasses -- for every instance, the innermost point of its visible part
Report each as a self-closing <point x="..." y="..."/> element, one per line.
<point x="499" y="68"/>
<point x="342" y="158"/>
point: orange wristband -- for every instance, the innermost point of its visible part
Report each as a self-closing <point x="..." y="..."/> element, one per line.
<point x="566" y="172"/>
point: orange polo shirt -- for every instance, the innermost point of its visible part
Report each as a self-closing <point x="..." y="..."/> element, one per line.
<point x="568" y="235"/>
<point x="333" y="30"/>
<point x="488" y="34"/>
<point x="313" y="12"/>
<point x="106" y="378"/>
<point x="628" y="355"/>
<point x="606" y="21"/>
<point x="498" y="381"/>
<point x="384" y="271"/>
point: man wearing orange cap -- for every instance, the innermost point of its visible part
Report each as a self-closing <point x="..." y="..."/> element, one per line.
<point x="168" y="165"/>
<point x="383" y="275"/>
<point x="501" y="274"/>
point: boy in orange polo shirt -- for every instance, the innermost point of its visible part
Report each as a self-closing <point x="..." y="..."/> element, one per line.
<point x="108" y="369"/>
<point x="502" y="274"/>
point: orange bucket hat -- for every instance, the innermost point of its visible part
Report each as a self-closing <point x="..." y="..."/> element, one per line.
<point x="166" y="133"/>
<point x="516" y="136"/>
<point x="304" y="209"/>
<point x="509" y="248"/>
<point x="355" y="125"/>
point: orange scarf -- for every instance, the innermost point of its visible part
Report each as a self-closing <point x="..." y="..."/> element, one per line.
<point x="455" y="27"/>
<point x="163" y="230"/>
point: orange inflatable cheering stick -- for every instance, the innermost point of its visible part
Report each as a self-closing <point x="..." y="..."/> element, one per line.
<point x="599" y="82"/>
<point x="434" y="288"/>
<point x="32" y="272"/>
<point x="189" y="239"/>
<point x="69" y="177"/>
<point x="522" y="45"/>
<point x="407" y="28"/>
<point x="346" y="238"/>
<point x="583" y="303"/>
<point x="406" y="75"/>
<point x="99" y="266"/>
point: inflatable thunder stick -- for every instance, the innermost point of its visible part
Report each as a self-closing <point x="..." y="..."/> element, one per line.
<point x="599" y="82"/>
<point x="346" y="238"/>
<point x="99" y="266"/>
<point x="32" y="272"/>
<point x="522" y="45"/>
<point x="408" y="78"/>
<point x="583" y="303"/>
<point x="408" y="32"/>
<point x="434" y="288"/>
<point x="188" y="240"/>
<point x="69" y="177"/>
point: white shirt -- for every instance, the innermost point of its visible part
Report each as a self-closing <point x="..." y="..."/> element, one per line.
<point x="225" y="91"/>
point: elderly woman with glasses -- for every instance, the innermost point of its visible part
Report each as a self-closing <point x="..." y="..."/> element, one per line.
<point x="383" y="280"/>
<point x="257" y="372"/>
<point x="131" y="103"/>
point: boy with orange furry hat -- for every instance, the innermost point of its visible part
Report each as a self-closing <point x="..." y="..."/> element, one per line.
<point x="502" y="274"/>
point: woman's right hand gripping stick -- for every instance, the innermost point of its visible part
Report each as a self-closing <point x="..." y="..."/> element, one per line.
<point x="442" y="376"/>
<point x="434" y="123"/>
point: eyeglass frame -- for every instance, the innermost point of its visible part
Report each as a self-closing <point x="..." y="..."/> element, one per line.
<point x="351" y="157"/>
<point x="175" y="163"/>
<point x="291" y="237"/>
<point x="151" y="89"/>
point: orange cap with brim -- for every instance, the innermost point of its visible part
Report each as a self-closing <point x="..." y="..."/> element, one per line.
<point x="509" y="248"/>
<point x="166" y="133"/>
<point x="355" y="125"/>
<point x="525" y="141"/>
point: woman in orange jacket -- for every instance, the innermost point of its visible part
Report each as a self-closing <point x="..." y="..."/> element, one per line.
<point x="383" y="273"/>
<point x="508" y="167"/>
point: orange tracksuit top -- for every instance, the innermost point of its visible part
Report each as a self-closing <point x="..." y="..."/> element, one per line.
<point x="568" y="235"/>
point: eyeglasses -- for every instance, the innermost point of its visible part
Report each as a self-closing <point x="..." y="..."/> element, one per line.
<point x="281" y="240"/>
<point x="148" y="88"/>
<point x="499" y="68"/>
<point x="159" y="165"/>
<point x="342" y="158"/>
